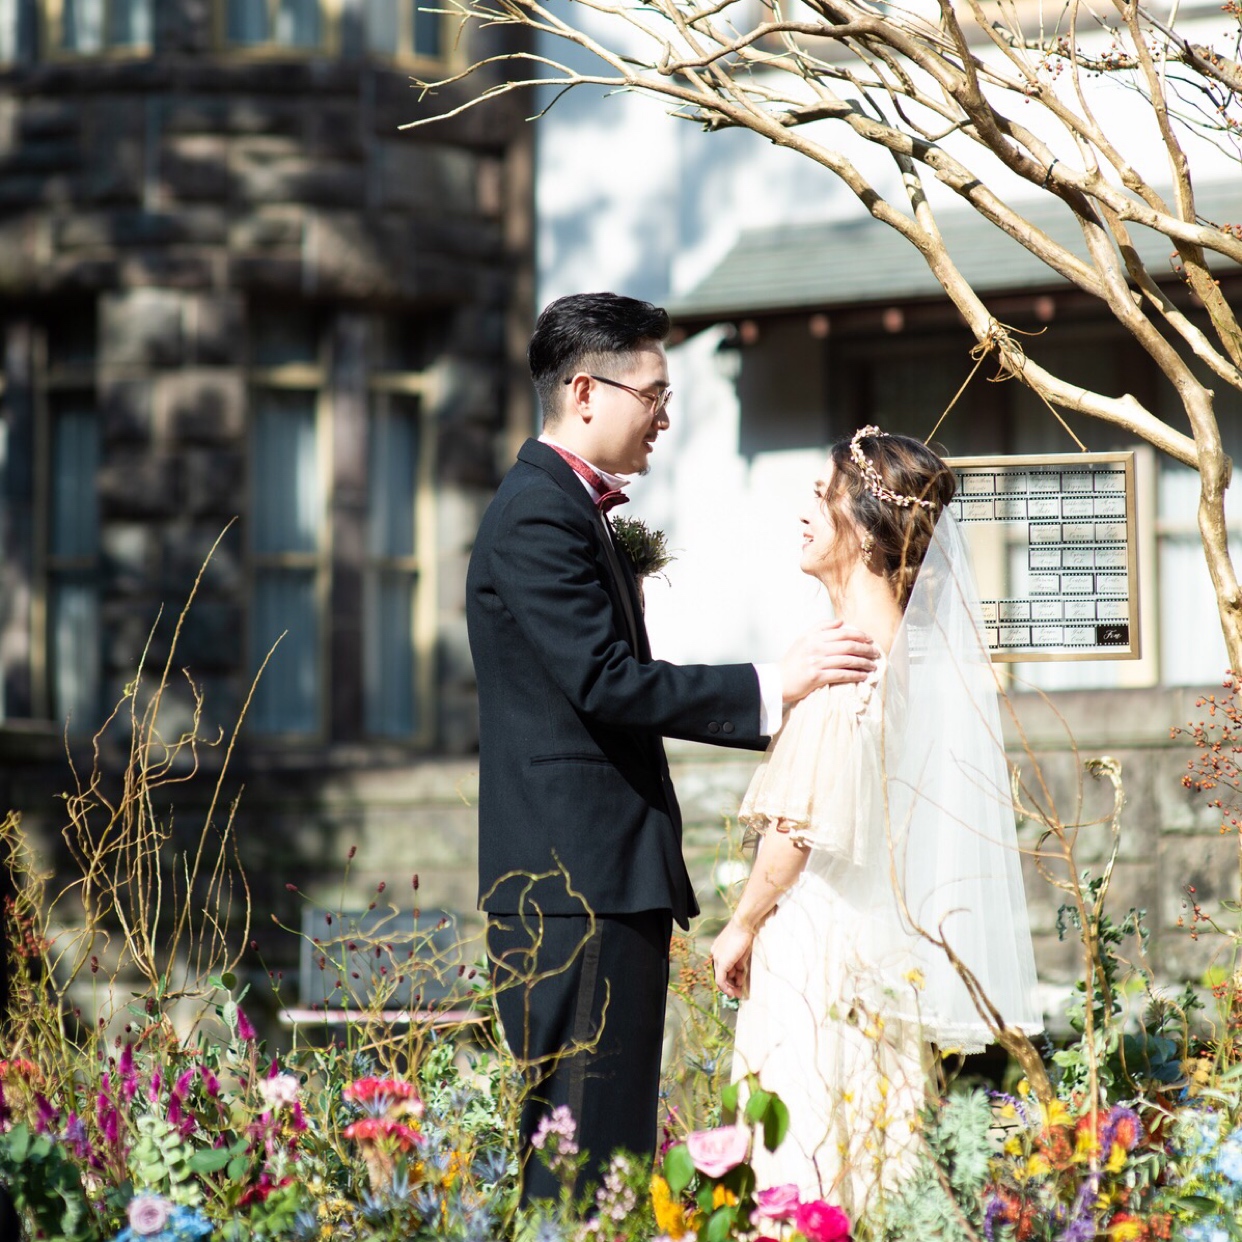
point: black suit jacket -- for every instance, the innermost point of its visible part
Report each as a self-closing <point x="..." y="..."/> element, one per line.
<point x="571" y="718"/>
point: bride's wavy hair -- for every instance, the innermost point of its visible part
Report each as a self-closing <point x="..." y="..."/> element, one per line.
<point x="901" y="533"/>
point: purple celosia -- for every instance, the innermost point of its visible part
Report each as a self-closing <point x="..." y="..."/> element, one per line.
<point x="182" y="1085"/>
<point x="211" y="1084"/>
<point x="244" y="1030"/>
<point x="47" y="1115"/>
<point x="153" y="1088"/>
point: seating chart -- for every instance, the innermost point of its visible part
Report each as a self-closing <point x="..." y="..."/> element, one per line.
<point x="1062" y="535"/>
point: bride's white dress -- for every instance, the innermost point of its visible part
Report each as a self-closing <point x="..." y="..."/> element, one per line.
<point x="899" y="789"/>
<point x="831" y="960"/>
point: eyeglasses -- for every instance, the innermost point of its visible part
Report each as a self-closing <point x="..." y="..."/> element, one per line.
<point x="656" y="403"/>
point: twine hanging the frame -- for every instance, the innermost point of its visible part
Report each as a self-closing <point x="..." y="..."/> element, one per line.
<point x="998" y="339"/>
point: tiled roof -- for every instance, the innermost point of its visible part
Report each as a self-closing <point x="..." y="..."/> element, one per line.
<point x="848" y="262"/>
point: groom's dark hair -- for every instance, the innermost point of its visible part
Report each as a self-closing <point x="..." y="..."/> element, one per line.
<point x="587" y="332"/>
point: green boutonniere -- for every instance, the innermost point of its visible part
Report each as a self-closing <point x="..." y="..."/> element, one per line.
<point x="647" y="549"/>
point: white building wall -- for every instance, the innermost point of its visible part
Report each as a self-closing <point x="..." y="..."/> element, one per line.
<point x="632" y="200"/>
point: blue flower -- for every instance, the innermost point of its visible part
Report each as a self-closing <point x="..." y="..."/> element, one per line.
<point x="1198" y="1133"/>
<point x="1229" y="1159"/>
<point x="1210" y="1229"/>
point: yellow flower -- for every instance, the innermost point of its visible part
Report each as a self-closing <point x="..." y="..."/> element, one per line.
<point x="1116" y="1159"/>
<point x="916" y="978"/>
<point x="670" y="1216"/>
<point x="1056" y="1114"/>
<point x="1013" y="1147"/>
<point x="1037" y="1166"/>
<point x="722" y="1196"/>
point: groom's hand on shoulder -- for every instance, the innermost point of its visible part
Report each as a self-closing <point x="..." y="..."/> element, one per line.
<point x="827" y="654"/>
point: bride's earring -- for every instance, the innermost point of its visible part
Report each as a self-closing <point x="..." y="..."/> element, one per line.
<point x="867" y="544"/>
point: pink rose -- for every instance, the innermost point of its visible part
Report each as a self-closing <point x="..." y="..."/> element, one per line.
<point x="715" y="1152"/>
<point x="821" y="1222"/>
<point x="148" y="1214"/>
<point x="778" y="1202"/>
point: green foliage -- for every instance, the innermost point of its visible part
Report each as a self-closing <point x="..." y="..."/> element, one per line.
<point x="942" y="1198"/>
<point x="46" y="1185"/>
<point x="162" y="1160"/>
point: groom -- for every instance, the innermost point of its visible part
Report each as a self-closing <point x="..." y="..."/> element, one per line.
<point x="580" y="864"/>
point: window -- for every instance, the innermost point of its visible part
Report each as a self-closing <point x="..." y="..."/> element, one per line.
<point x="88" y="27"/>
<point x="283" y="23"/>
<point x="67" y="613"/>
<point x="287" y="525"/>
<point x="391" y="576"/>
<point x="404" y="28"/>
<point x="397" y="29"/>
<point x="903" y="384"/>
<point x="398" y="628"/>
<point x="73" y="563"/>
<point x="18" y="24"/>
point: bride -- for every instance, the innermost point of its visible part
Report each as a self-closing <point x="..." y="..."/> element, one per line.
<point x="886" y="826"/>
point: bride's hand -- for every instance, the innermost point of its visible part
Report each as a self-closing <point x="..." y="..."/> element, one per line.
<point x="731" y="958"/>
<point x="828" y="653"/>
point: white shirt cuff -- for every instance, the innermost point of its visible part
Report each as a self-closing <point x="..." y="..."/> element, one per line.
<point x="771" y="698"/>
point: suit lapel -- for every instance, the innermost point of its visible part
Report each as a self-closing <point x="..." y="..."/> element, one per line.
<point x="624" y="583"/>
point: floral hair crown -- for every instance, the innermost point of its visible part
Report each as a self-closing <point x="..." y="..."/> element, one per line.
<point x="871" y="476"/>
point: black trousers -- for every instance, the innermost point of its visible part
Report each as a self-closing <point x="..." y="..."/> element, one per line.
<point x="563" y="982"/>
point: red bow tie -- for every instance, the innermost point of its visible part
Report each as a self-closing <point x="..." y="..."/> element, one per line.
<point x="607" y="499"/>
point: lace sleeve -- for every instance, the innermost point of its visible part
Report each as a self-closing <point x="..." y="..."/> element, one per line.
<point x="820" y="776"/>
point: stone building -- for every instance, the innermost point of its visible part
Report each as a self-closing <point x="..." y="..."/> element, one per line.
<point x="238" y="304"/>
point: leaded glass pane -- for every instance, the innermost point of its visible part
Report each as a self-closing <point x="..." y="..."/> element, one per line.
<point x="389" y="655"/>
<point x="382" y="26"/>
<point x="73" y="614"/>
<point x="74" y="492"/>
<point x="297" y="23"/>
<point x="428" y="27"/>
<point x="392" y="480"/>
<point x="285" y="622"/>
<point x="247" y="22"/>
<point x="287" y="504"/>
<point x="129" y="23"/>
<point x="82" y="25"/>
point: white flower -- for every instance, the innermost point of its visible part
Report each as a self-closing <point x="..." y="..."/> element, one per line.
<point x="148" y="1214"/>
<point x="280" y="1091"/>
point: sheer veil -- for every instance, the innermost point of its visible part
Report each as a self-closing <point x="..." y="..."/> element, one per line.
<point x="949" y="815"/>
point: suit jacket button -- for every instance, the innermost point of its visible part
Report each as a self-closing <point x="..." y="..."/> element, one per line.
<point x="713" y="727"/>
<point x="727" y="727"/>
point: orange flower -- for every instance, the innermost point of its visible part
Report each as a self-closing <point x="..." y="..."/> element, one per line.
<point x="19" y="1067"/>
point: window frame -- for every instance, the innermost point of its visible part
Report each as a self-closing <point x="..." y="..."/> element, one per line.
<point x="51" y="27"/>
<point x="50" y="381"/>
<point x="293" y="377"/>
<point x="421" y="564"/>
<point x="329" y="45"/>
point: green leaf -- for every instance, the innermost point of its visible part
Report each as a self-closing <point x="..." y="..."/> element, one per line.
<point x="757" y="1105"/>
<point x="775" y="1124"/>
<point x="18" y="1141"/>
<point x="678" y="1169"/>
<point x="209" y="1160"/>
<point x="728" y="1097"/>
<point x="706" y="1193"/>
<point x="237" y="1167"/>
<point x="720" y="1224"/>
